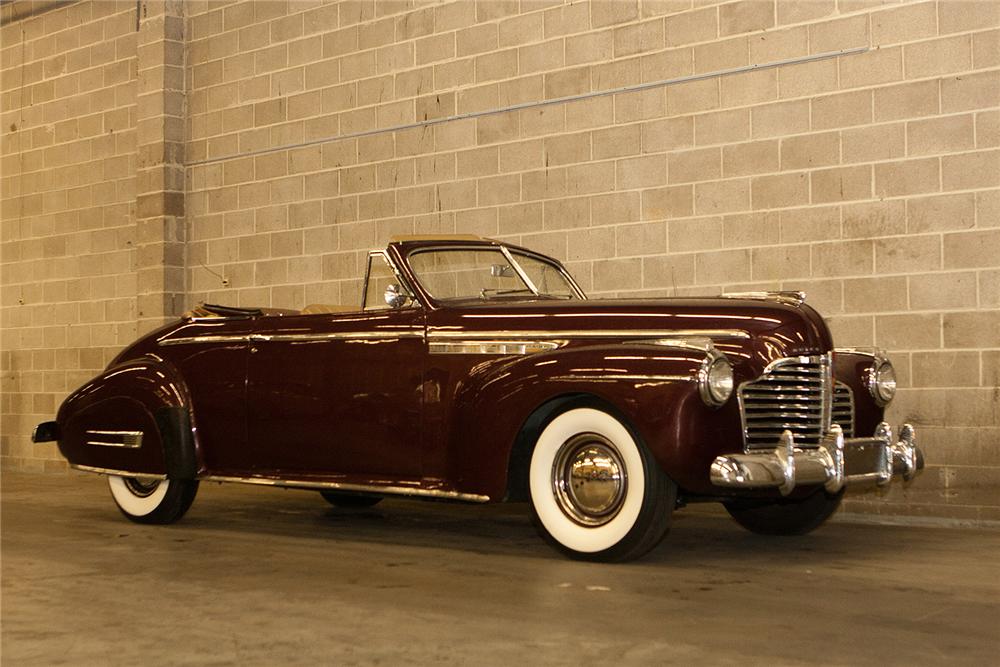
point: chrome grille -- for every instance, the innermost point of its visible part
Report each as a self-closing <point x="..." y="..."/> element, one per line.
<point x="843" y="408"/>
<point x="793" y="394"/>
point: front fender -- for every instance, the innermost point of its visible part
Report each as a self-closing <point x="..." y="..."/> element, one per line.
<point x="134" y="417"/>
<point x="654" y="387"/>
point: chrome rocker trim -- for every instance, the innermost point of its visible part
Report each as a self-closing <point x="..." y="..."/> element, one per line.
<point x="837" y="462"/>
<point x="116" y="473"/>
<point x="388" y="490"/>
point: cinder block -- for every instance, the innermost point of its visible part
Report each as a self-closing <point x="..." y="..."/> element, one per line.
<point x="942" y="291"/>
<point x="909" y="332"/>
<point x="638" y="38"/>
<point x="971" y="329"/>
<point x="690" y="27"/>
<point x="908" y="100"/>
<point x="873" y="143"/>
<point x="940" y="213"/>
<point x="875" y="295"/>
<point x="801" y="225"/>
<point x="841" y="184"/>
<point x="589" y="47"/>
<point x="521" y="30"/>
<point x="755" y="157"/>
<point x="779" y="190"/>
<point x="811" y="150"/>
<point x="779" y="119"/>
<point x="971" y="170"/>
<point x="973" y="249"/>
<point x="694" y="165"/>
<point x="746" y="16"/>
<point x="722" y="127"/>
<point x="902" y="255"/>
<point x="476" y="39"/>
<point x="722" y="196"/>
<point x="907" y="177"/>
<point x="938" y="56"/>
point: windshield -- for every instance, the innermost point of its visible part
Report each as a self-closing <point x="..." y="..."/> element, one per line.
<point x="487" y="273"/>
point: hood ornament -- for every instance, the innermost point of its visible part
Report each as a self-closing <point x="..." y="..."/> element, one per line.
<point x="793" y="298"/>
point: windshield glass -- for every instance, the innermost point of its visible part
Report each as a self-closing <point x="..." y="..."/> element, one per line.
<point x="486" y="273"/>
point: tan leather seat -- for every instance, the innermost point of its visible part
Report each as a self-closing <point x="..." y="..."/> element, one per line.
<point x="198" y="311"/>
<point x="326" y="308"/>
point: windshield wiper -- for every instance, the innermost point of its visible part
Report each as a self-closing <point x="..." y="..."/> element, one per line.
<point x="486" y="292"/>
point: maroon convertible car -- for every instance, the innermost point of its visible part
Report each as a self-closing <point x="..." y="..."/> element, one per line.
<point x="478" y="371"/>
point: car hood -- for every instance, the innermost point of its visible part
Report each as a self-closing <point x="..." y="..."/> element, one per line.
<point x="757" y="330"/>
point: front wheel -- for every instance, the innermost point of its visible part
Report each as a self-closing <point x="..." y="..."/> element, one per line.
<point x="597" y="493"/>
<point x="150" y="500"/>
<point x="785" y="517"/>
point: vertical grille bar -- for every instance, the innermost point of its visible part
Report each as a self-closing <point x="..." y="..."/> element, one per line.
<point x="793" y="394"/>
<point x="843" y="408"/>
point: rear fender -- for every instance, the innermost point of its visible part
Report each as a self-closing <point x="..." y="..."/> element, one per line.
<point x="503" y="406"/>
<point x="134" y="417"/>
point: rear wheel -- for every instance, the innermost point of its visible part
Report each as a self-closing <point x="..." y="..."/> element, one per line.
<point x="151" y="500"/>
<point x="349" y="500"/>
<point x="597" y="493"/>
<point x="785" y="517"/>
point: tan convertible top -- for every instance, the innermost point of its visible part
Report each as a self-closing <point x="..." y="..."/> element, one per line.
<point x="403" y="238"/>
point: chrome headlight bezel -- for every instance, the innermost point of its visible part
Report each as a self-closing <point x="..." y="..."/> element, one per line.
<point x="715" y="380"/>
<point x="881" y="381"/>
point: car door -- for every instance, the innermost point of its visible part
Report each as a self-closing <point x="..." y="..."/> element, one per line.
<point x="337" y="394"/>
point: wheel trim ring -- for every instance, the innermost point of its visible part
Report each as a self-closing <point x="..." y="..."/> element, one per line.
<point x="132" y="504"/>
<point x="589" y="479"/>
<point x="141" y="487"/>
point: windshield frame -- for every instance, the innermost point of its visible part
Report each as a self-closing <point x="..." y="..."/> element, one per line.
<point x="509" y="252"/>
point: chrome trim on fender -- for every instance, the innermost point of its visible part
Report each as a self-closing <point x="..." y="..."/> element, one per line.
<point x="626" y="376"/>
<point x="340" y="486"/>
<point x="311" y="337"/>
<point x="117" y="473"/>
<point x="372" y="335"/>
<point x="491" y="346"/>
<point x="837" y="462"/>
<point x="215" y="338"/>
<point x="631" y="334"/>
<point x="129" y="439"/>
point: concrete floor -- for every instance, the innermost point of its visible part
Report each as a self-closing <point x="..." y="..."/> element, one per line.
<point x="263" y="576"/>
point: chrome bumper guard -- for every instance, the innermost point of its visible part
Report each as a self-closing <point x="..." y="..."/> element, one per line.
<point x="835" y="463"/>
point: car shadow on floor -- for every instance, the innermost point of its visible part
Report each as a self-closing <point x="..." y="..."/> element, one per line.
<point x="696" y="537"/>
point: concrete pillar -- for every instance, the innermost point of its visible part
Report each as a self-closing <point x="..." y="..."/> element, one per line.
<point x="159" y="206"/>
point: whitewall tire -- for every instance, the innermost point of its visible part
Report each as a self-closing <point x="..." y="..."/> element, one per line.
<point x="597" y="493"/>
<point x="149" y="500"/>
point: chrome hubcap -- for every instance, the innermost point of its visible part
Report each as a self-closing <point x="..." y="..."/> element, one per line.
<point x="589" y="480"/>
<point x="141" y="487"/>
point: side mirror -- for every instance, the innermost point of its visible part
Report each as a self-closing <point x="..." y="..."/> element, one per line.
<point x="395" y="297"/>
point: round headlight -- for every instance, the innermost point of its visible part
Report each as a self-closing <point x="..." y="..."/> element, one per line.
<point x="716" y="384"/>
<point x="883" y="382"/>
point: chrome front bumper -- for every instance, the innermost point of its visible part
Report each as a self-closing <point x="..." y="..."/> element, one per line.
<point x="835" y="463"/>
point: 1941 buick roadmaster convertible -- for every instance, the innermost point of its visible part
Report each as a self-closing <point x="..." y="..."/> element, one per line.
<point x="476" y="370"/>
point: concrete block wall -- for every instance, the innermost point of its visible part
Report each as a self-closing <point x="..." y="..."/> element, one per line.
<point x="871" y="181"/>
<point x="67" y="242"/>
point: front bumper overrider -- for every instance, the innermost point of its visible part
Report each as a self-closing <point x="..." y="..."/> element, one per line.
<point x="835" y="463"/>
